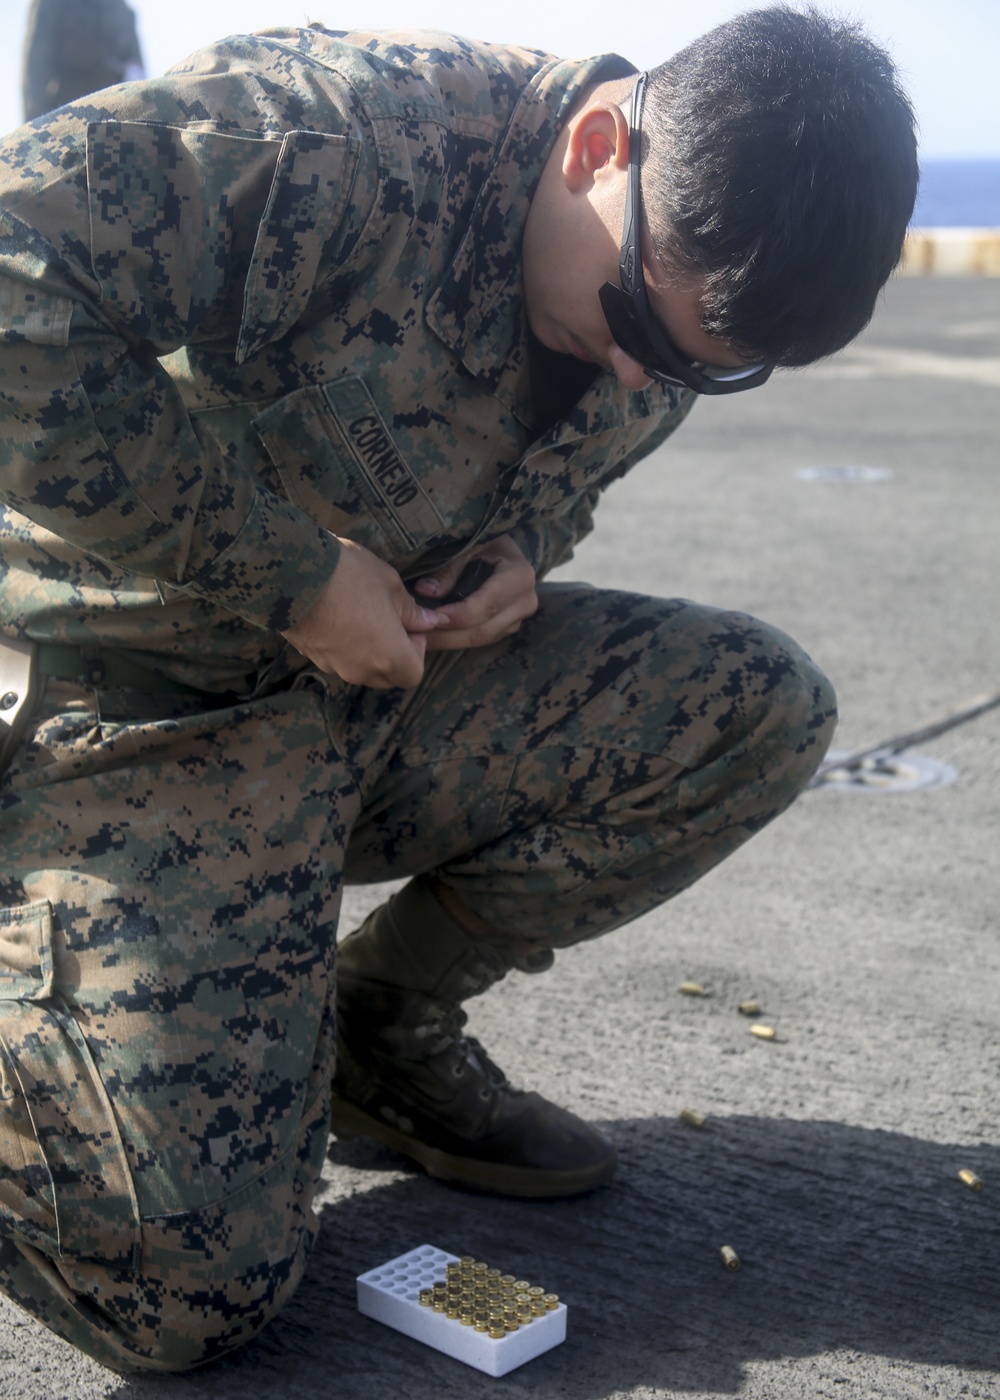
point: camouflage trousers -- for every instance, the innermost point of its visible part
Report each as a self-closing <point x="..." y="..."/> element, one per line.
<point x="168" y="911"/>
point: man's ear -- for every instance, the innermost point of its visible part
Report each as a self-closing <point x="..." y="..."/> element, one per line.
<point x="598" y="141"/>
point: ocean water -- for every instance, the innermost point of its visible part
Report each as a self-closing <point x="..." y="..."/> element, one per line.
<point x="958" y="194"/>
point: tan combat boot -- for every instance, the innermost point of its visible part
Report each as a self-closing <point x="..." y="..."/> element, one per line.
<point x="407" y="1075"/>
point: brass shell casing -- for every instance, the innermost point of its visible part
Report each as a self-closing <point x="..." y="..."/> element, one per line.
<point x="730" y="1258"/>
<point x="475" y="1295"/>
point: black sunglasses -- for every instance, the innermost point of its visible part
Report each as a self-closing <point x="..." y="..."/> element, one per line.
<point x="628" y="312"/>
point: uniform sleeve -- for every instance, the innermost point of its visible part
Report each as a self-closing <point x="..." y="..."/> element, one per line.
<point x="549" y="540"/>
<point x="196" y="211"/>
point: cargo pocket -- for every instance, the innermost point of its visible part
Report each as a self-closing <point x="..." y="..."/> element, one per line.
<point x="65" y="1184"/>
<point x="336" y="459"/>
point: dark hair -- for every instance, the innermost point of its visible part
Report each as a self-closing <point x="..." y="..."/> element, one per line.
<point x="780" y="161"/>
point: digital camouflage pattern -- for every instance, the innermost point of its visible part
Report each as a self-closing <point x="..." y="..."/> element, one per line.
<point x="274" y="295"/>
<point x="320" y="239"/>
<point x="165" y="1011"/>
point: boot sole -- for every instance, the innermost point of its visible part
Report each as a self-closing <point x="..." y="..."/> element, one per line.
<point x="348" y="1121"/>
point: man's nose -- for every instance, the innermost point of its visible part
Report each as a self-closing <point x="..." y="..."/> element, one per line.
<point x="629" y="372"/>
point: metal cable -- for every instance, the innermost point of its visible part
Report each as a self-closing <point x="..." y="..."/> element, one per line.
<point x="905" y="741"/>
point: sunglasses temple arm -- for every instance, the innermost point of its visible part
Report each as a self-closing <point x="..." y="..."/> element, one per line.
<point x="631" y="276"/>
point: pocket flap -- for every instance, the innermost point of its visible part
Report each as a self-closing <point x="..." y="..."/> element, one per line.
<point x="165" y="203"/>
<point x="306" y="203"/>
<point x="26" y="963"/>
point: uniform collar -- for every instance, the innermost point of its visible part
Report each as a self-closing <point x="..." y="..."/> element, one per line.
<point x="478" y="308"/>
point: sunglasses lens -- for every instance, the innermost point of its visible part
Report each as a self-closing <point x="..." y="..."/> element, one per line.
<point x="627" y="330"/>
<point x="722" y="374"/>
<point x="666" y="364"/>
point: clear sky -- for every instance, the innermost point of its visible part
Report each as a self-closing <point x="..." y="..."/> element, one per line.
<point x="948" y="50"/>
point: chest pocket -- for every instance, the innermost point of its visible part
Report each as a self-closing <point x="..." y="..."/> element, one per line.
<point x="337" y="460"/>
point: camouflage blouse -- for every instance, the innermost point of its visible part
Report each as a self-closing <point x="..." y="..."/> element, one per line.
<point x="269" y="298"/>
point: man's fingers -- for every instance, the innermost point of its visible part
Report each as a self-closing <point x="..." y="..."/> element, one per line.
<point x="417" y="619"/>
<point x="440" y="583"/>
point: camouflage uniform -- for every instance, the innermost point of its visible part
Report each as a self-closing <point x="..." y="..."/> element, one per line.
<point x="274" y="295"/>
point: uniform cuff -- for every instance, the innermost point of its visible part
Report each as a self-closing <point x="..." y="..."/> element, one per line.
<point x="274" y="569"/>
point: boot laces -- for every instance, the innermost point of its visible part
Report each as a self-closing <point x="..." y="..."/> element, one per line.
<point x="444" y="1033"/>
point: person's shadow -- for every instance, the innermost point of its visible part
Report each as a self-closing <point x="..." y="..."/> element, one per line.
<point x="856" y="1242"/>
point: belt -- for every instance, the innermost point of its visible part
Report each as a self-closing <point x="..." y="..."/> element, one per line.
<point x="105" y="670"/>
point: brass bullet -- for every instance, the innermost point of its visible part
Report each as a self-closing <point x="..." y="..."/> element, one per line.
<point x="688" y="1115"/>
<point x="551" y="1301"/>
<point x="426" y="1297"/>
<point x="535" y="1292"/>
<point x="507" y="1280"/>
<point x="521" y="1285"/>
<point x="510" y="1324"/>
<point x="764" y="1032"/>
<point x="482" y="1324"/>
<point x="730" y="1258"/>
<point x="692" y="989"/>
<point x="538" y="1307"/>
<point x="439" y="1304"/>
<point x="497" y="1329"/>
<point x="974" y="1182"/>
<point x="749" y="1008"/>
<point x="466" y="1262"/>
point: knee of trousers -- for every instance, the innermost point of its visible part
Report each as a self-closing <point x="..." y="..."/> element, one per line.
<point x="148" y="1293"/>
<point x="694" y="682"/>
<point x="775" y="711"/>
<point x="155" y="1320"/>
<point x="729" y="697"/>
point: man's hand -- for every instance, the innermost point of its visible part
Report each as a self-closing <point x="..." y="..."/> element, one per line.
<point x="364" y="627"/>
<point x="495" y="610"/>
